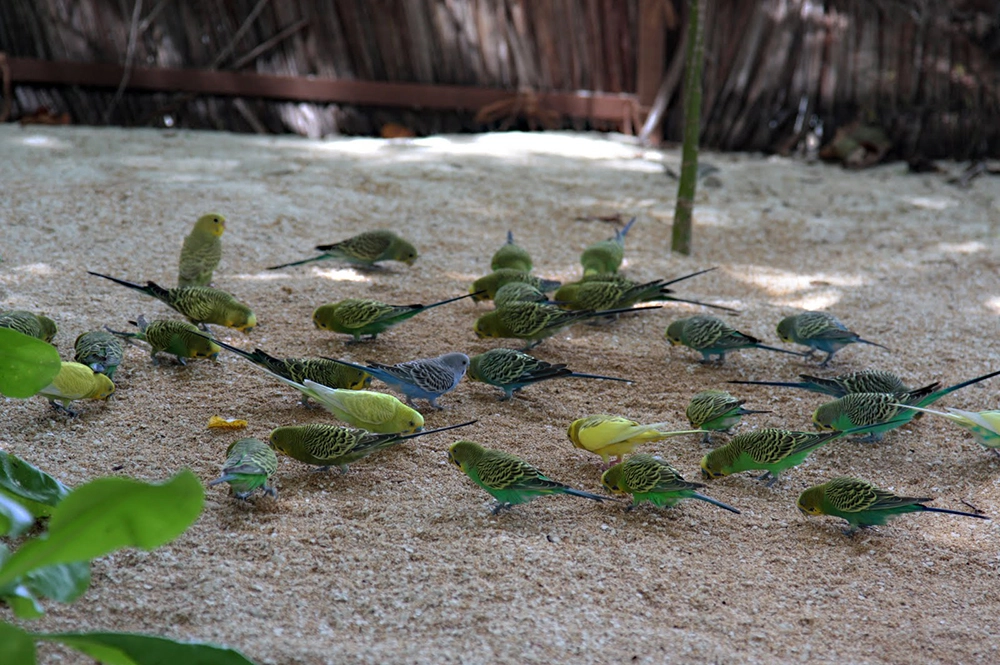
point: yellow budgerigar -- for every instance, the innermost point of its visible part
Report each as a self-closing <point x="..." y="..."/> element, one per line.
<point x="76" y="381"/>
<point x="616" y="436"/>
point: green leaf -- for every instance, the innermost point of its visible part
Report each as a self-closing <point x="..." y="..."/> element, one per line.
<point x="132" y="649"/>
<point x="16" y="646"/>
<point x="26" y="364"/>
<point x="108" y="514"/>
<point x="64" y="582"/>
<point x="37" y="490"/>
<point x="14" y="518"/>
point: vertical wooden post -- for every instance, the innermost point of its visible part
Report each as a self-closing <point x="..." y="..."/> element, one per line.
<point x="650" y="57"/>
<point x="681" y="240"/>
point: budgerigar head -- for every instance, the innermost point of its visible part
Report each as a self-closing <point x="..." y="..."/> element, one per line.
<point x="675" y="332"/>
<point x="241" y="318"/>
<point x="104" y="387"/>
<point x="281" y="439"/>
<point x="323" y="315"/>
<point x="481" y="287"/>
<point x="786" y="329"/>
<point x="458" y="362"/>
<point x="463" y="453"/>
<point x="713" y="465"/>
<point x="825" y="416"/>
<point x="613" y="480"/>
<point x="403" y="251"/>
<point x="810" y="502"/>
<point x="212" y="223"/>
<point x="487" y="325"/>
<point x="48" y="326"/>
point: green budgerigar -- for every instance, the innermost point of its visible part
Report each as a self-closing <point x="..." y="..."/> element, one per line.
<point x="365" y="249"/>
<point x="820" y="332"/>
<point x="611" y="291"/>
<point x="329" y="373"/>
<point x="984" y="425"/>
<point x="605" y="257"/>
<point x="76" y="381"/>
<point x="511" y="370"/>
<point x="713" y="337"/>
<point x="511" y="256"/>
<point x="519" y="292"/>
<point x="863" y="504"/>
<point x="770" y="450"/>
<point x="716" y="410"/>
<point x="375" y="412"/>
<point x="100" y="350"/>
<point x="485" y="288"/>
<point x="249" y="465"/>
<point x="179" y="338"/>
<point x="32" y="325"/>
<point x="875" y="414"/>
<point x="332" y="445"/>
<point x="362" y="316"/>
<point x="649" y="478"/>
<point x="863" y="381"/>
<point x="200" y="304"/>
<point x="533" y="322"/>
<point x="506" y="477"/>
<point x="201" y="251"/>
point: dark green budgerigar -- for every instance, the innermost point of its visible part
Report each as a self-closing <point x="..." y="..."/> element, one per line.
<point x="713" y="337"/>
<point x="533" y="322"/>
<point x="605" y="257"/>
<point x="507" y="478"/>
<point x="649" y="478"/>
<point x="863" y="504"/>
<point x="249" y="465"/>
<point x="511" y="370"/>
<point x="365" y="249"/>
<point x="324" y="371"/>
<point x="511" y="256"/>
<point x="361" y="316"/>
<point x="32" y="325"/>
<point x="519" y="292"/>
<point x="333" y="445"/>
<point x="820" y="332"/>
<point x="611" y="291"/>
<point x="770" y="450"/>
<point x="716" y="410"/>
<point x="200" y="304"/>
<point x="485" y="288"/>
<point x="99" y="350"/>
<point x="179" y="338"/>
<point x="863" y="381"/>
<point x="201" y="251"/>
<point x="875" y="414"/>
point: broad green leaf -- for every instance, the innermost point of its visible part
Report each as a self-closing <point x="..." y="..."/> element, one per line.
<point x="23" y="603"/>
<point x="37" y="490"/>
<point x="132" y="649"/>
<point x="108" y="514"/>
<point x="64" y="582"/>
<point x="26" y="364"/>
<point x="16" y="646"/>
<point x="14" y="518"/>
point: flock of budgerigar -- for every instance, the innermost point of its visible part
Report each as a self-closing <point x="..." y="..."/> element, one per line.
<point x="529" y="308"/>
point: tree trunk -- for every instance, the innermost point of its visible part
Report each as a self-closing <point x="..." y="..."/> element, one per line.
<point x="681" y="240"/>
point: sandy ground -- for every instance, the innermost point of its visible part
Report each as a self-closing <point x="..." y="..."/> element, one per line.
<point x="400" y="560"/>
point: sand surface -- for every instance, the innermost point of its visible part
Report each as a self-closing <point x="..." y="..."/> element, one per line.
<point x="400" y="560"/>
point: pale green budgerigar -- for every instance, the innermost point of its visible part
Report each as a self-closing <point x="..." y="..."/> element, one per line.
<point x="332" y="445"/>
<point x="32" y="325"/>
<point x="610" y="436"/>
<point x="534" y="322"/>
<point x="984" y="425"/>
<point x="511" y="256"/>
<point x="423" y="378"/>
<point x="863" y="504"/>
<point x="99" y="350"/>
<point x="649" y="478"/>
<point x="606" y="256"/>
<point x="511" y="370"/>
<point x="716" y="410"/>
<point x="770" y="450"/>
<point x="507" y="478"/>
<point x="200" y="304"/>
<point x="609" y="291"/>
<point x="249" y="465"/>
<point x="713" y="337"/>
<point x="179" y="338"/>
<point x="76" y="381"/>
<point x="519" y="292"/>
<point x="485" y="288"/>
<point x="365" y="250"/>
<point x="862" y="381"/>
<point x="201" y="251"/>
<point x="363" y="316"/>
<point x="820" y="332"/>
<point x="375" y="412"/>
<point x="875" y="414"/>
